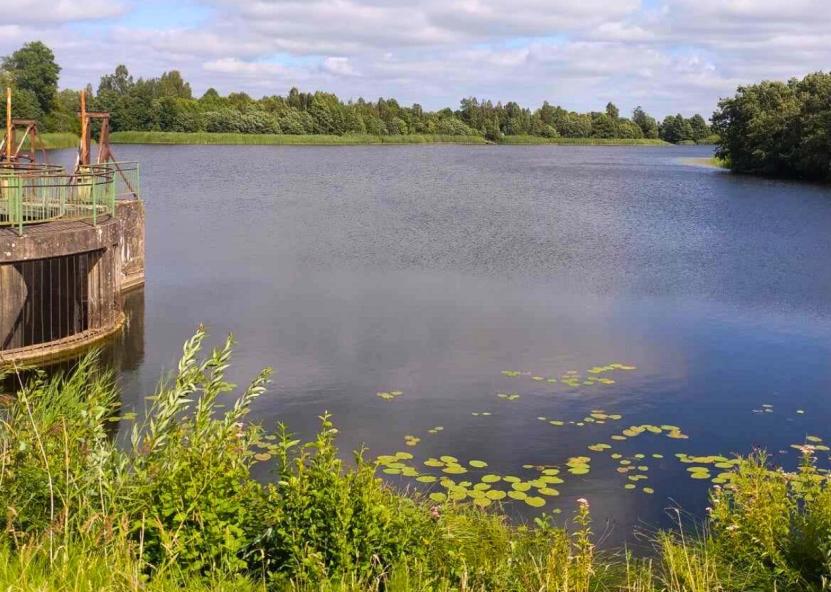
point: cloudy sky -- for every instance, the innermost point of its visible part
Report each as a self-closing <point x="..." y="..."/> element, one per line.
<point x="667" y="55"/>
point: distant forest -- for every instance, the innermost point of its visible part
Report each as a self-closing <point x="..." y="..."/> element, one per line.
<point x="167" y="103"/>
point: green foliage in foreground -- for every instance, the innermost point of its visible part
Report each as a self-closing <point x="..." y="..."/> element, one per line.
<point x="176" y="507"/>
<point x="282" y="139"/>
<point x="778" y="129"/>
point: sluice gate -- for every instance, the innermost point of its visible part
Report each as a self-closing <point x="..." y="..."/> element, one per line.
<point x="70" y="244"/>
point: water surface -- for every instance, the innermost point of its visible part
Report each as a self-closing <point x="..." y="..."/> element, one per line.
<point x="432" y="269"/>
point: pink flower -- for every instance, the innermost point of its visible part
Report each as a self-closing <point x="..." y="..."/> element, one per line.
<point x="583" y="502"/>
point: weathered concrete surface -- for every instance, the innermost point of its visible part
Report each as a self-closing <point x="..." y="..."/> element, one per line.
<point x="56" y="239"/>
<point x="131" y="215"/>
<point x="61" y="283"/>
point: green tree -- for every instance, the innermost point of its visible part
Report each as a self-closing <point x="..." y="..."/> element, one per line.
<point x="33" y="69"/>
<point x="171" y="84"/>
<point x="118" y="83"/>
<point x="699" y="127"/>
<point x="777" y="128"/>
<point x="25" y="104"/>
<point x="647" y="123"/>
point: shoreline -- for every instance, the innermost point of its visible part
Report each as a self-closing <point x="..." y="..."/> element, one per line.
<point x="710" y="162"/>
<point x="231" y="139"/>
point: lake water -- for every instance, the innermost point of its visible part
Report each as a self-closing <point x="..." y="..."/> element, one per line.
<point x="430" y="270"/>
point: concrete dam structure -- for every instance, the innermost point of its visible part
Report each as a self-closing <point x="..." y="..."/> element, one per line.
<point x="71" y="243"/>
<point x="63" y="268"/>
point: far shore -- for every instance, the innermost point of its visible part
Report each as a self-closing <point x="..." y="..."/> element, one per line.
<point x="349" y="140"/>
<point x="63" y="140"/>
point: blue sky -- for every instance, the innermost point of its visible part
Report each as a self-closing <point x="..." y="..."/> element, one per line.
<point x="666" y="55"/>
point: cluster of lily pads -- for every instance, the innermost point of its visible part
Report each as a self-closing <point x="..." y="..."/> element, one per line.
<point x="484" y="490"/>
<point x="470" y="480"/>
<point x="573" y="378"/>
<point x="812" y="444"/>
<point x="596" y="416"/>
<point x="389" y="395"/>
<point x="698" y="471"/>
<point x="670" y="431"/>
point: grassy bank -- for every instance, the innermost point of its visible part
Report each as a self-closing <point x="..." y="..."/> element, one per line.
<point x="177" y="507"/>
<point x="57" y="140"/>
<point x="583" y="141"/>
<point x="711" y="162"/>
<point x="283" y="139"/>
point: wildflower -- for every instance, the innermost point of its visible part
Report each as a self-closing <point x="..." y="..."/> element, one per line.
<point x="435" y="514"/>
<point x="583" y="502"/>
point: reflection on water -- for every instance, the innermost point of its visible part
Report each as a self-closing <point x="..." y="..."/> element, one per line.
<point x="455" y="274"/>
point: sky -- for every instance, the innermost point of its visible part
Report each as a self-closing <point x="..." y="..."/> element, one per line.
<point x="668" y="56"/>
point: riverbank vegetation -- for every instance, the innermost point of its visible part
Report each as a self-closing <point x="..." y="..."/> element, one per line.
<point x="320" y="139"/>
<point x="171" y="503"/>
<point x="779" y="129"/>
<point x="151" y="137"/>
<point x="167" y="104"/>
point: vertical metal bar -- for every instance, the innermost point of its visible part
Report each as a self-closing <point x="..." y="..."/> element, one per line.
<point x="112" y="194"/>
<point x="94" y="200"/>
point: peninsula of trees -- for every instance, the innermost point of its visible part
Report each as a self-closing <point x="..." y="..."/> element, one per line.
<point x="778" y="129"/>
<point x="167" y="104"/>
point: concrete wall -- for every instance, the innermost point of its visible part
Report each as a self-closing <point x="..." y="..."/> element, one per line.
<point x="65" y="279"/>
<point x="131" y="215"/>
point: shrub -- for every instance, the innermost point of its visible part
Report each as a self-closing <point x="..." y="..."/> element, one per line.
<point x="775" y="527"/>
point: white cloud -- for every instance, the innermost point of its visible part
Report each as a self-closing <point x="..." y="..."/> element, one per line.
<point x="676" y="55"/>
<point x="58" y="11"/>
<point x="338" y="66"/>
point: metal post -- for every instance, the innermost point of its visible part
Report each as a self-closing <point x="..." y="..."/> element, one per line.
<point x="16" y="203"/>
<point x="9" y="126"/>
<point x="84" y="151"/>
<point x="94" y="201"/>
<point x="112" y="194"/>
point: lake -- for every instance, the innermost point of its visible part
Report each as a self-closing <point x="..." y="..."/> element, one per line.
<point x="595" y="288"/>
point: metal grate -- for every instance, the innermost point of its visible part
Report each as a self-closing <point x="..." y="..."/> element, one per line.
<point x="49" y="299"/>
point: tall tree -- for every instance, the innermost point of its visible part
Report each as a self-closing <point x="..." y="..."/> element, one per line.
<point x="33" y="68"/>
<point x="647" y="123"/>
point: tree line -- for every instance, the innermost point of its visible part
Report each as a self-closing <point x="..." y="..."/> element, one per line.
<point x="167" y="103"/>
<point x="779" y="129"/>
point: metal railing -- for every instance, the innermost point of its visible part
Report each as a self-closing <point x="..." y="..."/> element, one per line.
<point x="33" y="194"/>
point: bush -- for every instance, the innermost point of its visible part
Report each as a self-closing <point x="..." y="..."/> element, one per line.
<point x="774" y="526"/>
<point x="177" y="507"/>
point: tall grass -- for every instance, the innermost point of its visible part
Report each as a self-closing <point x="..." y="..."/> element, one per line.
<point x="177" y="507"/>
<point x="583" y="141"/>
<point x="54" y="140"/>
<point x="282" y="139"/>
<point x="314" y="139"/>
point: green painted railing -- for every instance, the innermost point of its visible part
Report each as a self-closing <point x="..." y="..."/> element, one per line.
<point x="41" y="193"/>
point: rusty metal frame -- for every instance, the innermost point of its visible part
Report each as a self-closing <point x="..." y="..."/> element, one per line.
<point x="105" y="153"/>
<point x="10" y="149"/>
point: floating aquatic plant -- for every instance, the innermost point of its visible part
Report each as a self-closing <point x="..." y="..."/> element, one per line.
<point x="389" y="395"/>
